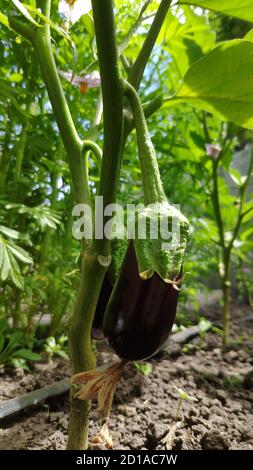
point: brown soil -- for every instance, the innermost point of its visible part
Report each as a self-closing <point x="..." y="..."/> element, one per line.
<point x="144" y="409"/>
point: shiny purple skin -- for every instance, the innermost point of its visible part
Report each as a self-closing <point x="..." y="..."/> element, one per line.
<point x="97" y="325"/>
<point x="140" y="314"/>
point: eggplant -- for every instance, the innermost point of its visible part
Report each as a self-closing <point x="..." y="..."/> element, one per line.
<point x="97" y="325"/>
<point x="140" y="313"/>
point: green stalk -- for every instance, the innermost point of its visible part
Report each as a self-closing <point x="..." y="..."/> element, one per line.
<point x="41" y="41"/>
<point x="92" y="270"/>
<point x="112" y="92"/>
<point x="151" y="179"/>
<point x="95" y="149"/>
<point x="138" y="68"/>
<point x="225" y="271"/>
<point x="216" y="204"/>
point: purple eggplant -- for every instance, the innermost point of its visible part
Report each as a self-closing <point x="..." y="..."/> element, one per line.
<point x="140" y="313"/>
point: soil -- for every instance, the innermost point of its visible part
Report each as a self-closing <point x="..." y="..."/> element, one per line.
<point x="145" y="407"/>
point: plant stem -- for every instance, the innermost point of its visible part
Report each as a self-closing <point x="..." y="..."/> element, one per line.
<point x="216" y="204"/>
<point x="138" y="68"/>
<point x="224" y="271"/>
<point x="178" y="409"/>
<point x="152" y="184"/>
<point x="92" y="271"/>
<point x="112" y="92"/>
<point x="226" y="312"/>
<point x="80" y="346"/>
<point x="124" y="44"/>
<point x="41" y="41"/>
<point x="95" y="149"/>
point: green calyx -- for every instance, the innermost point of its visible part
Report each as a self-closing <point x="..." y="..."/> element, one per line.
<point x="118" y="251"/>
<point x="162" y="251"/>
<point x="162" y="231"/>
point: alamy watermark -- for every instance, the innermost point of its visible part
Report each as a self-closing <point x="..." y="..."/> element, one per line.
<point x="130" y="221"/>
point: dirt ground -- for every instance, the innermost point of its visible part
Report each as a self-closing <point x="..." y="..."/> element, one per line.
<point x="144" y="409"/>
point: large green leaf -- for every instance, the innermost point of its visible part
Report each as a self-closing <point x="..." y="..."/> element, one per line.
<point x="222" y="83"/>
<point x="242" y="9"/>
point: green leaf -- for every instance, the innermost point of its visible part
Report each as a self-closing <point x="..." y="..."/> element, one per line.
<point x="18" y="363"/>
<point x="27" y="354"/>
<point x="183" y="395"/>
<point x="51" y="342"/>
<point x="247" y="234"/>
<point x="23" y="9"/>
<point x="9" y="232"/>
<point x="62" y="354"/>
<point x="89" y="24"/>
<point x="249" y="36"/>
<point x="4" y="20"/>
<point x="19" y="253"/>
<point x="15" y="274"/>
<point x="145" y="368"/>
<point x="242" y="9"/>
<point x="5" y="268"/>
<point x="222" y="83"/>
<point x="235" y="176"/>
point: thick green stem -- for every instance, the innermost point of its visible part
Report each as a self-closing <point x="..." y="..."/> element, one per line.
<point x="138" y="68"/>
<point x="80" y="345"/>
<point x="151" y="180"/>
<point x="112" y="92"/>
<point x="92" y="271"/>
